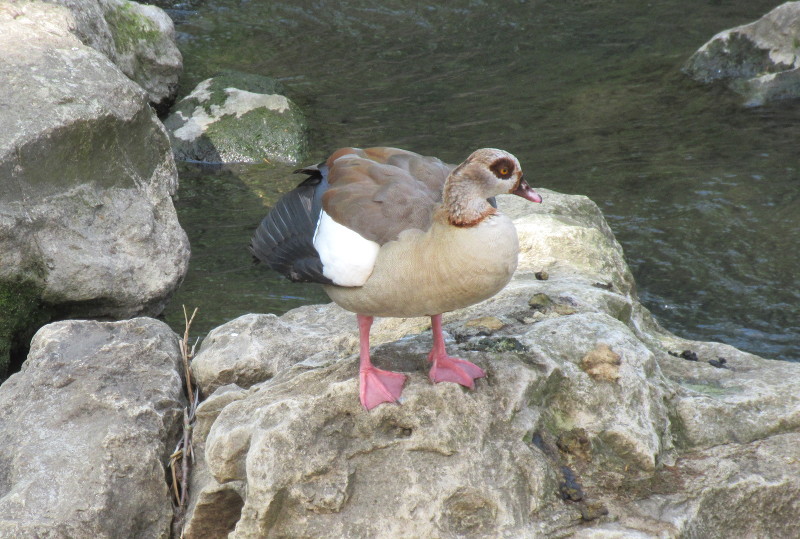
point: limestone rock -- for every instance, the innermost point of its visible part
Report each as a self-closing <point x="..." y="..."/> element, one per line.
<point x="760" y="60"/>
<point x="417" y="472"/>
<point x="255" y="347"/>
<point x="752" y="399"/>
<point x="568" y="235"/>
<point x="138" y="38"/>
<point x="86" y="429"/>
<point x="87" y="224"/>
<point x="627" y="421"/>
<point x="585" y="424"/>
<point x="713" y="493"/>
<point x="237" y="117"/>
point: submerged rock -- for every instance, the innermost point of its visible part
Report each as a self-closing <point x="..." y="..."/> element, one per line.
<point x="86" y="429"/>
<point x="237" y="118"/>
<point x="87" y="223"/>
<point x="760" y="60"/>
<point x="590" y="400"/>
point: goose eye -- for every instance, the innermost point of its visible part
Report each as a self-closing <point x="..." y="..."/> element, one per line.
<point x="503" y="168"/>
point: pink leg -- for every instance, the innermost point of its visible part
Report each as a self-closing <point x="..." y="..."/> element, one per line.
<point x="446" y="368"/>
<point x="377" y="386"/>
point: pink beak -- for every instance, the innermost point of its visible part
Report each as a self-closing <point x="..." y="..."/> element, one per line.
<point x="524" y="190"/>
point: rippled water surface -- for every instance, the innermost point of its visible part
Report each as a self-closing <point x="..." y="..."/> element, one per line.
<point x="702" y="193"/>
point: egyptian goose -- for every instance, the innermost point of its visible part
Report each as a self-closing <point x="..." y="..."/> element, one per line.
<point x="389" y="232"/>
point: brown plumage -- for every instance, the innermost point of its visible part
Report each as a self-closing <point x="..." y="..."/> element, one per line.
<point x="393" y="190"/>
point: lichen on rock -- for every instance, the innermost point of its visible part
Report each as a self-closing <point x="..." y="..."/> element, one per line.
<point x="602" y="363"/>
<point x="128" y="26"/>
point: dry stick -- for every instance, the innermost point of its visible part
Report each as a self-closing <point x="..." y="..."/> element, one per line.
<point x="172" y="459"/>
<point x="184" y="449"/>
<point x="187" y="431"/>
<point x="185" y="353"/>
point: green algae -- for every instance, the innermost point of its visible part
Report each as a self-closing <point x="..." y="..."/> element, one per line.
<point x="129" y="27"/>
<point x="21" y="313"/>
<point x="261" y="133"/>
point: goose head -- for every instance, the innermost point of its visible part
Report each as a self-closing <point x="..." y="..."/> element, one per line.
<point x="486" y="173"/>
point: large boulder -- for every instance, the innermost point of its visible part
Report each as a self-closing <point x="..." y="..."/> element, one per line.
<point x="760" y="60"/>
<point x="87" y="224"/>
<point x="237" y="118"/>
<point x="87" y="427"/>
<point x="592" y="420"/>
<point x="138" y="38"/>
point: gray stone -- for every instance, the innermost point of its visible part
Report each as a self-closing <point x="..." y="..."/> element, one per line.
<point x="584" y="425"/>
<point x="237" y="117"/>
<point x="87" y="223"/>
<point x="760" y="60"/>
<point x="138" y="38"/>
<point x="433" y="463"/>
<point x="255" y="347"/>
<point x="87" y="427"/>
<point x="751" y="399"/>
<point x="731" y="490"/>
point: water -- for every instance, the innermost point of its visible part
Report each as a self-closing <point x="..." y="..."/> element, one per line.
<point x="702" y="193"/>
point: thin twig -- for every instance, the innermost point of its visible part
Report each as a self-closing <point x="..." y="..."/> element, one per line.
<point x="187" y="435"/>
<point x="184" y="452"/>
<point x="187" y="354"/>
<point x="172" y="459"/>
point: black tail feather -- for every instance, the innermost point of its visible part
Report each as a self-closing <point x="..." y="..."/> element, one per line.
<point x="285" y="238"/>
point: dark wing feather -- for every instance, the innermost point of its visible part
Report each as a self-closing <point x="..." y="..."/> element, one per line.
<point x="285" y="238"/>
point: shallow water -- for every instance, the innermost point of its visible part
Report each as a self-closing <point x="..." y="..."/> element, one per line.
<point x="701" y="192"/>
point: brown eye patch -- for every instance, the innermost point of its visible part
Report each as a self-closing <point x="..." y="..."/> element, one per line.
<point x="502" y="168"/>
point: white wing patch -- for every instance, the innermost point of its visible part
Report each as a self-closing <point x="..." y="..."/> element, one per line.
<point x="347" y="256"/>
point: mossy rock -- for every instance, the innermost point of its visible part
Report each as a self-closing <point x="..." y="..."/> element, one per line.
<point x="737" y="57"/>
<point x="237" y="118"/>
<point x="758" y="61"/>
<point x="21" y="313"/>
<point x="128" y="27"/>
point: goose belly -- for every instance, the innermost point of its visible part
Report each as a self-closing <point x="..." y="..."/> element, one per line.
<point x="443" y="269"/>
